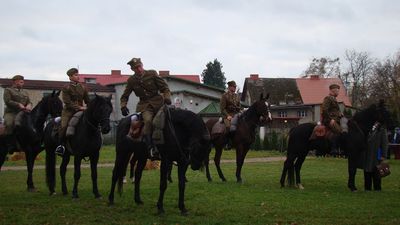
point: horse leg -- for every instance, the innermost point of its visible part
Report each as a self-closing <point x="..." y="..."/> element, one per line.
<point x="94" y="159"/>
<point x="352" y="170"/>
<point x="169" y="172"/>
<point x="217" y="160"/>
<point x="132" y="167"/>
<point x="121" y="162"/>
<point x="3" y="152"/>
<point x="77" y="176"/>
<point x="63" y="171"/>
<point x="163" y="185"/>
<point x="206" y="165"/>
<point x="284" y="171"/>
<point x="290" y="169"/>
<point x="30" y="156"/>
<point x="182" y="183"/>
<point x="141" y="163"/>
<point x="51" y="170"/>
<point x="241" y="152"/>
<point x="297" y="166"/>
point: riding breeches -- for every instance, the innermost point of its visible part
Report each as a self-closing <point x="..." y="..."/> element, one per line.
<point x="9" y="123"/>
<point x="148" y="122"/>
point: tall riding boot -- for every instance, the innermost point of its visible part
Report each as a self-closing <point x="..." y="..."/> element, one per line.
<point x="11" y="141"/>
<point x="152" y="150"/>
<point x="229" y="139"/>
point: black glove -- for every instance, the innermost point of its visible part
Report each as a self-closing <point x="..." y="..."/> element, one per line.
<point x="125" y="111"/>
<point x="167" y="101"/>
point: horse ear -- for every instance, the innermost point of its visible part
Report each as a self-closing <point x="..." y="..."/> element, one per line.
<point x="267" y="97"/>
<point x="53" y="93"/>
<point x="381" y="103"/>
<point x="109" y="97"/>
<point x="58" y="92"/>
<point x="261" y="96"/>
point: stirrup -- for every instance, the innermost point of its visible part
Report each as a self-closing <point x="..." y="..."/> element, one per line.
<point x="154" y="153"/>
<point x="60" y="150"/>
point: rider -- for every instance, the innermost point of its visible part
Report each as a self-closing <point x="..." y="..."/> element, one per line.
<point x="331" y="114"/>
<point x="16" y="99"/>
<point x="229" y="105"/>
<point x="153" y="92"/>
<point x="73" y="96"/>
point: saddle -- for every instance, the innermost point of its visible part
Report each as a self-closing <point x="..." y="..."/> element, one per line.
<point x="135" y="130"/>
<point x="319" y="131"/>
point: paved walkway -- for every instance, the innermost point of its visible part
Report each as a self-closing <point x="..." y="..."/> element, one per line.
<point x="107" y="165"/>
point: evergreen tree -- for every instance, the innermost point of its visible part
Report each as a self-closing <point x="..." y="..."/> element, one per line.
<point x="213" y="75"/>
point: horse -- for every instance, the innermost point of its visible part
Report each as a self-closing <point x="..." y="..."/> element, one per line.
<point x="186" y="141"/>
<point x="85" y="142"/>
<point x="257" y="114"/>
<point x="29" y="128"/>
<point x="353" y="142"/>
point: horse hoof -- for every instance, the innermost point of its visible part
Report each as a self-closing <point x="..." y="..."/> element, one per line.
<point x="184" y="212"/>
<point x="110" y="203"/>
<point x="53" y="193"/>
<point x="239" y="181"/>
<point x="160" y="212"/>
<point x="75" y="196"/>
<point x="98" y="197"/>
<point x="32" y="190"/>
<point x="139" y="202"/>
<point x="300" y="186"/>
<point x="65" y="193"/>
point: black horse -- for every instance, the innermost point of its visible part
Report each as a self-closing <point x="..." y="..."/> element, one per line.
<point x="86" y="142"/>
<point x="187" y="142"/>
<point x="29" y="128"/>
<point x="256" y="115"/>
<point x="354" y="143"/>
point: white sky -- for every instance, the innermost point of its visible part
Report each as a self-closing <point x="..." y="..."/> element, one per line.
<point x="41" y="39"/>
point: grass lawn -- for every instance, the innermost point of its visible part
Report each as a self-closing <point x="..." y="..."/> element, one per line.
<point x="258" y="200"/>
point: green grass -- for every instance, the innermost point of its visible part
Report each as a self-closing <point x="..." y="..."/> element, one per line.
<point x="107" y="155"/>
<point x="258" y="200"/>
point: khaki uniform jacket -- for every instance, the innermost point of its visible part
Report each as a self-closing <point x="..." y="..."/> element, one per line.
<point x="73" y="96"/>
<point x="230" y="104"/>
<point x="12" y="97"/>
<point x="330" y="110"/>
<point x="148" y="87"/>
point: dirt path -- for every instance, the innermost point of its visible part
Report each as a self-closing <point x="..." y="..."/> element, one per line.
<point x="107" y="165"/>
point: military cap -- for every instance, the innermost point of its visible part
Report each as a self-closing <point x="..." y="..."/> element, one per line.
<point x="232" y="83"/>
<point x="135" y="62"/>
<point x="18" y="77"/>
<point x="72" y="71"/>
<point x="332" y="86"/>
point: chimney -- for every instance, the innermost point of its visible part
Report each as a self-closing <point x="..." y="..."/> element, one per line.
<point x="254" y="77"/>
<point x="164" y="73"/>
<point x="115" y="73"/>
<point x="314" y="77"/>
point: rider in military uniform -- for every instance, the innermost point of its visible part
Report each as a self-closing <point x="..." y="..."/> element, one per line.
<point x="16" y="99"/>
<point x="330" y="110"/>
<point x="153" y="92"/>
<point x="331" y="115"/>
<point x="73" y="96"/>
<point x="229" y="105"/>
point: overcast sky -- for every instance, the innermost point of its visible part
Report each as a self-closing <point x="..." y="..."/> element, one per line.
<point x="41" y="39"/>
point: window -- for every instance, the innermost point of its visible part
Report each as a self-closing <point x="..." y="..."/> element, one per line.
<point x="302" y="113"/>
<point x="282" y="114"/>
<point x="90" y="80"/>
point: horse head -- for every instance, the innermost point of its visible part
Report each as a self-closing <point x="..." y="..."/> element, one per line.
<point x="199" y="150"/>
<point x="375" y="113"/>
<point x="54" y="104"/>
<point x="99" y="110"/>
<point x="262" y="107"/>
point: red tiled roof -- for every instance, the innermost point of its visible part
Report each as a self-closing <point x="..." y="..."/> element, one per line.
<point x="53" y="85"/>
<point x="117" y="77"/>
<point x="313" y="90"/>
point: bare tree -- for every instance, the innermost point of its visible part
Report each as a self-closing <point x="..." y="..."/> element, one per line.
<point x="385" y="84"/>
<point x="356" y="76"/>
<point x="324" y="67"/>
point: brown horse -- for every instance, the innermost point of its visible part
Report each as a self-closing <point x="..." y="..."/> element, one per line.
<point x="256" y="115"/>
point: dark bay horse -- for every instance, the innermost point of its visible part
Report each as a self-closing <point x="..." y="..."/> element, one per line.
<point x="256" y="115"/>
<point x="86" y="142"/>
<point x="187" y="142"/>
<point x="354" y="143"/>
<point x="29" y="128"/>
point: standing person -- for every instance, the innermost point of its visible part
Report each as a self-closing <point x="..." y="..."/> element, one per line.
<point x="153" y="92"/>
<point x="229" y="106"/>
<point x="16" y="99"/>
<point x="394" y="139"/>
<point x="331" y="115"/>
<point x="73" y="96"/>
<point x="377" y="146"/>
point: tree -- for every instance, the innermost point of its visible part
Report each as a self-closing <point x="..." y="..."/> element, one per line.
<point x="357" y="75"/>
<point x="324" y="67"/>
<point x="213" y="75"/>
<point x="385" y="84"/>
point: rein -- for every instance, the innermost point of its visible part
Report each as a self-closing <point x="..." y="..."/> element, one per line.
<point x="172" y="128"/>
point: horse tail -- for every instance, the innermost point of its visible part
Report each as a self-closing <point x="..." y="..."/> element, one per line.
<point x="50" y="144"/>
